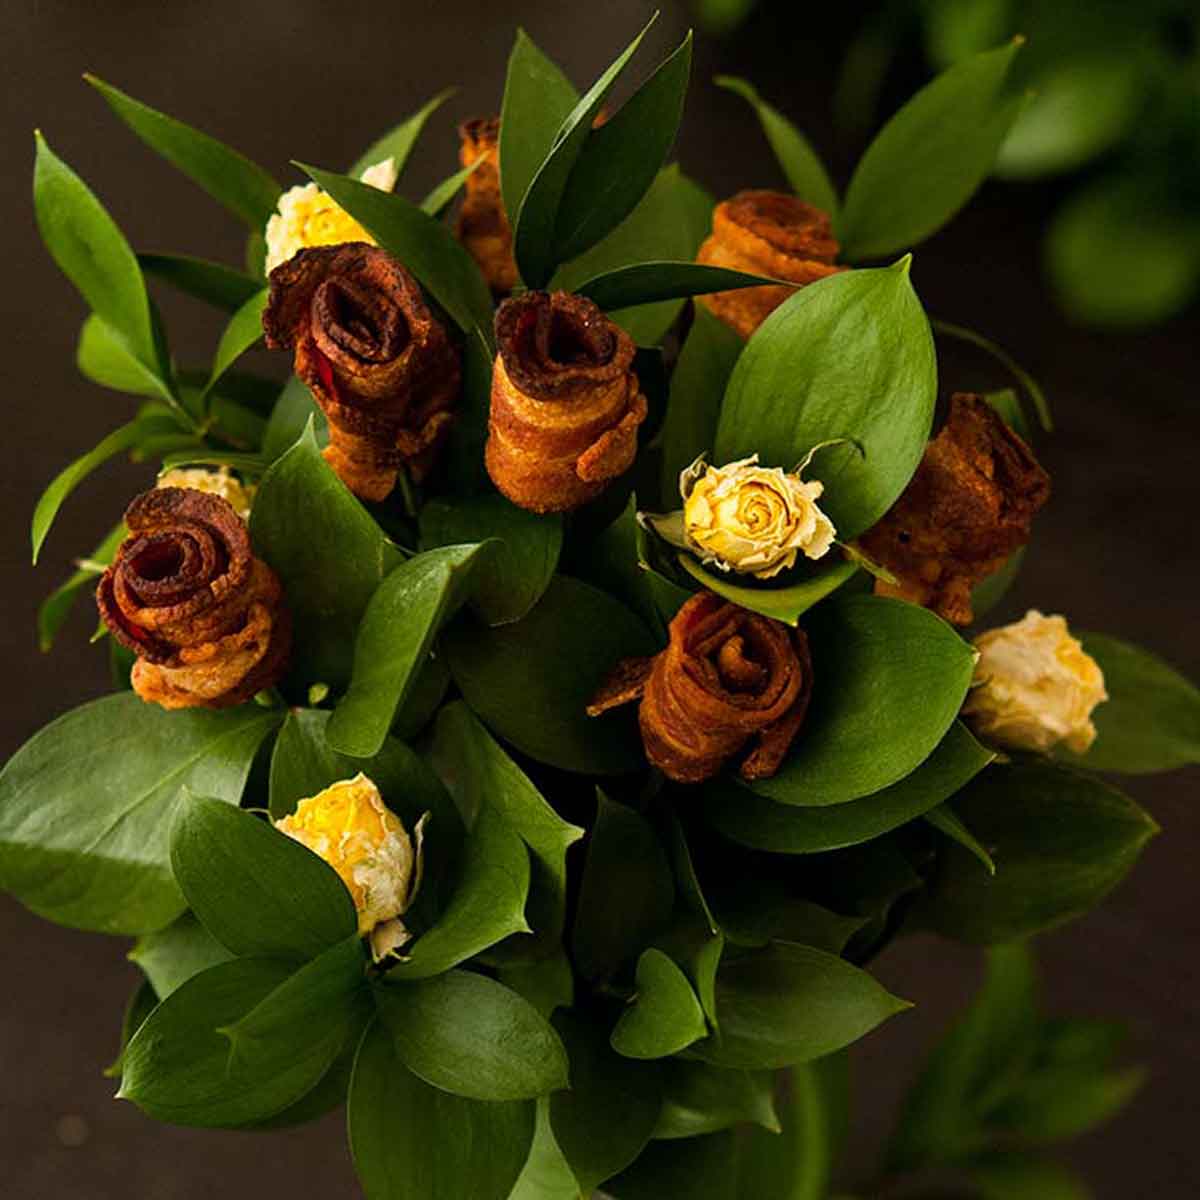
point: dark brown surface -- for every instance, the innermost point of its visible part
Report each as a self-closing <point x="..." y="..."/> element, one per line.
<point x="1115" y="550"/>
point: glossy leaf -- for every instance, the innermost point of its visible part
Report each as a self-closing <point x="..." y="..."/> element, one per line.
<point x="945" y="820"/>
<point x="848" y="357"/>
<point x="547" y="983"/>
<point x="806" y="174"/>
<point x="442" y="195"/>
<point x="510" y="579"/>
<point x="863" y="733"/>
<point x="927" y="161"/>
<point x="400" y="1128"/>
<point x="86" y="806"/>
<point x="664" y="1015"/>
<point x="531" y="681"/>
<point x="172" y="956"/>
<point x="546" y="1174"/>
<point x="618" y="161"/>
<point x="398" y="143"/>
<point x="105" y="357"/>
<point x="649" y="282"/>
<point x="626" y="894"/>
<point x="789" y="1004"/>
<point x="56" y="608"/>
<point x="473" y="1037"/>
<point x="763" y="824"/>
<point x="327" y="551"/>
<point x="787" y="604"/>
<point x="1061" y="842"/>
<point x="1151" y="720"/>
<point x="290" y="417"/>
<point x="699" y="1098"/>
<point x="229" y="177"/>
<point x="243" y="331"/>
<point x="214" y="283"/>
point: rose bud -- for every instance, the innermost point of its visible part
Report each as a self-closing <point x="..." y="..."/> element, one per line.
<point x="239" y="495"/>
<point x="766" y="233"/>
<point x="566" y="403"/>
<point x="307" y="216"/>
<point x="728" y="677"/>
<point x="350" y="827"/>
<point x="482" y="226"/>
<point x="750" y="519"/>
<point x="185" y="593"/>
<point x="379" y="364"/>
<point x="968" y="507"/>
<point x="1035" y="686"/>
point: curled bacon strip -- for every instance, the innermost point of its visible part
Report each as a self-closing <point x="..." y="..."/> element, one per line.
<point x="566" y="404"/>
<point x="377" y="361"/>
<point x="185" y="593"/>
<point x="727" y="677"/>
<point x="766" y="233"/>
<point x="966" y="510"/>
<point x="483" y="227"/>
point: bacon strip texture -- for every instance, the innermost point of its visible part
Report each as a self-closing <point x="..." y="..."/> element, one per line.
<point x="728" y="678"/>
<point x="967" y="509"/>
<point x="206" y="619"/>
<point x="766" y="233"/>
<point x="566" y="403"/>
<point x="376" y="360"/>
<point x="483" y="226"/>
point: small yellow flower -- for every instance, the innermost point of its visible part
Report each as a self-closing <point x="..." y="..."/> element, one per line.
<point x="308" y="216"/>
<point x="352" y="829"/>
<point x="752" y="519"/>
<point x="216" y="483"/>
<point x="1035" y="686"/>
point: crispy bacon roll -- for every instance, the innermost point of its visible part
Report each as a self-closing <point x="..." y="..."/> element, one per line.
<point x="483" y="226"/>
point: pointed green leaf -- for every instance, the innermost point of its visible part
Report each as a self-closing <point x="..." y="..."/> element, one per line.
<point x="441" y="195"/>
<point x="699" y="1098"/>
<point x="214" y="283"/>
<point x="104" y="357"/>
<point x="243" y="331"/>
<point x="289" y="418"/>
<point x="56" y="608"/>
<point x="664" y="1015"/>
<point x="172" y="956"/>
<point x="398" y="143"/>
<point x="650" y="282"/>
<point x="546" y="1174"/>
<point x="944" y="819"/>
<point x="787" y="604"/>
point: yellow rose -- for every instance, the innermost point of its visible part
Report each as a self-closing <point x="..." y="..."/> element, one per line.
<point x="308" y="216"/>
<point x="352" y="829"/>
<point x="752" y="519"/>
<point x="1035" y="686"/>
<point x="216" y="483"/>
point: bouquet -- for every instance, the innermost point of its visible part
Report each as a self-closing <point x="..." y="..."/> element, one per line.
<point x="531" y="719"/>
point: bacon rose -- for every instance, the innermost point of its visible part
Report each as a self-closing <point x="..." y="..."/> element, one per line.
<point x="483" y="227"/>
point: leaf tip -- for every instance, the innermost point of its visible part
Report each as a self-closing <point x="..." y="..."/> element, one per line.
<point x="903" y="266"/>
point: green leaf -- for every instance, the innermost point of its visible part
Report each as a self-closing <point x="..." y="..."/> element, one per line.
<point x="139" y="1006"/>
<point x="214" y="283"/>
<point x="487" y="903"/>
<point x="699" y="1098"/>
<point x="701" y="1168"/>
<point x="848" y="357"/>
<point x="944" y="819"/>
<point x="86" y="807"/>
<point x="473" y="1037"/>
<point x="772" y="912"/>
<point x="534" y="224"/>
<point x="538" y="97"/>
<point x="327" y="551"/>
<point x="670" y="222"/>
<point x="790" y="1004"/>
<point x="401" y="1127"/>
<point x="56" y="608"/>
<point x="927" y="161"/>
<point x="1055" y="1104"/>
<point x="398" y="142"/>
<point x="443" y="193"/>
<point x="396" y="635"/>
<point x="289" y="418"/>
<point x="422" y="243"/>
<point x="863" y="733"/>
<point x="664" y="1015"/>
<point x="242" y="332"/>
<point x="1061" y="842"/>
<point x="806" y="174"/>
<point x="531" y="681"/>
<point x="649" y="282"/>
<point x="546" y="1174"/>
<point x="626" y="894"/>
<point x="697" y="388"/>
<point x="1151" y="720"/>
<point x="104" y="357"/>
<point x="256" y="890"/>
<point x="606" y="1118"/>
<point x="787" y="604"/>
<point x="986" y="1048"/>
<point x="511" y="578"/>
<point x="229" y="177"/>
<point x="94" y="255"/>
<point x="618" y="161"/>
<point x="547" y="983"/>
<point x="1015" y="1176"/>
<point x="178" y="1068"/>
<point x="172" y="956"/>
<point x="763" y="824"/>
<point x="479" y="774"/>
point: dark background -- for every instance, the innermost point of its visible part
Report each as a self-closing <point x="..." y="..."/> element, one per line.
<point x="285" y="79"/>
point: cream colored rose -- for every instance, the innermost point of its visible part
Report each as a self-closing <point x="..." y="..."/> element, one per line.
<point x="352" y="829"/>
<point x="308" y="216"/>
<point x="751" y="519"/>
<point x="216" y="483"/>
<point x="1035" y="686"/>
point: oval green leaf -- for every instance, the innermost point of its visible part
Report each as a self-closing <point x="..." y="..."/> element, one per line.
<point x="664" y="1015"/>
